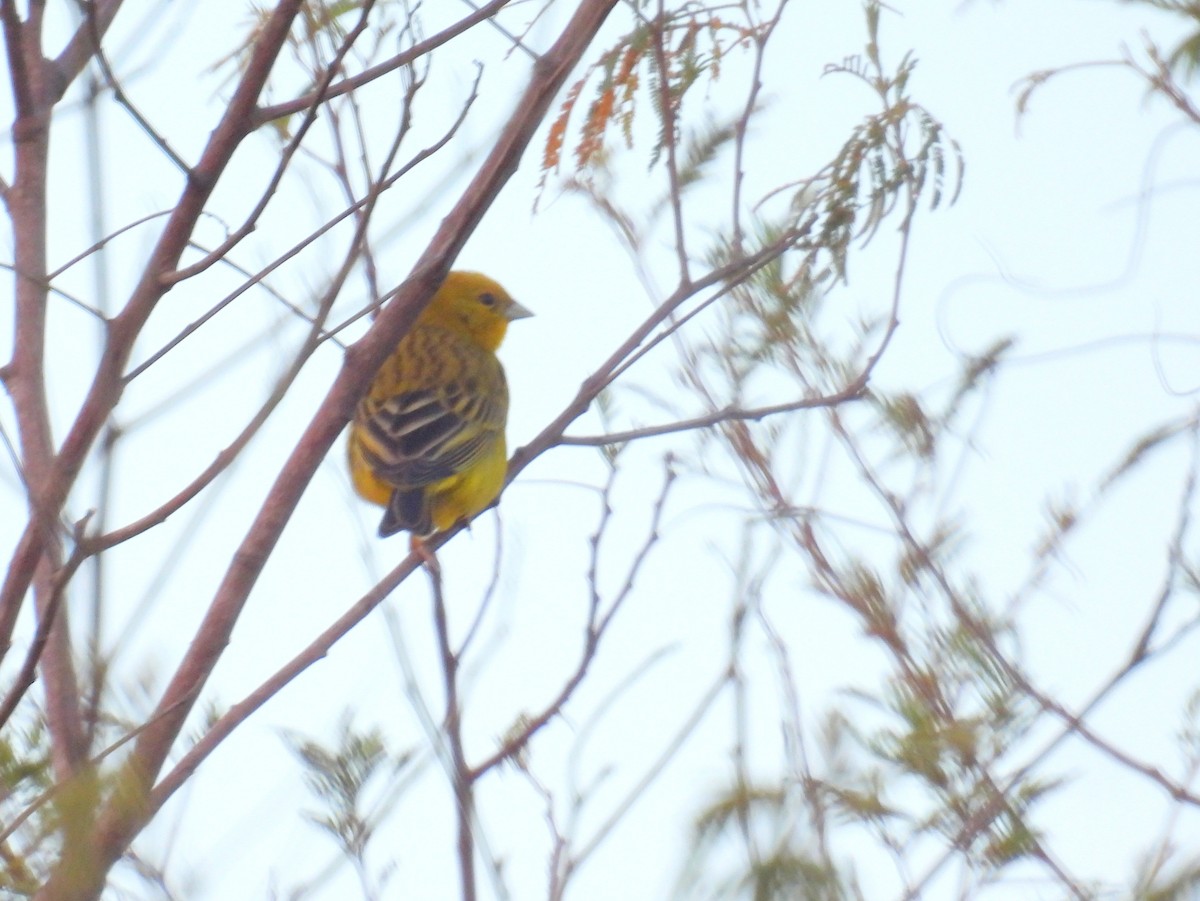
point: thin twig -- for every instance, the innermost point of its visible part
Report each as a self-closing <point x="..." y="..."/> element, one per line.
<point x="119" y="822"/>
<point x="280" y="110"/>
<point x="95" y="26"/>
<point x="461" y="777"/>
<point x="854" y="391"/>
<point x="289" y="151"/>
<point x="597" y="625"/>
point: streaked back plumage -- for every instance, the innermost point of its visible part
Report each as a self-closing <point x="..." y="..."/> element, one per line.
<point x="427" y="442"/>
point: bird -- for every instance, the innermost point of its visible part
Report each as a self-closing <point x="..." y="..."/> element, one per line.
<point x="427" y="441"/>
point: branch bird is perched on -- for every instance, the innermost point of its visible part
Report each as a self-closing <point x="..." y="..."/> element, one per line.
<point x="427" y="442"/>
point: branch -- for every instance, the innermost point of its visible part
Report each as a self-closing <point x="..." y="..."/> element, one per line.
<point x="120" y="821"/>
<point x="124" y="329"/>
<point x="668" y="104"/>
<point x="317" y="335"/>
<point x="354" y="209"/>
<point x="19" y="575"/>
<point x="855" y="391"/>
<point x="597" y="624"/>
<point x="267" y="114"/>
<point x="47" y="615"/>
<point x="14" y="40"/>
<point x="241" y="711"/>
<point x="95" y="248"/>
<point x="461" y="781"/>
<point x="39" y="552"/>
<point x="310" y="116"/>
<point x="734" y="272"/>
<point x="85" y="42"/>
<point x="122" y="98"/>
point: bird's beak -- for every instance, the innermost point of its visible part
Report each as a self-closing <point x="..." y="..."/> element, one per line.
<point x="516" y="311"/>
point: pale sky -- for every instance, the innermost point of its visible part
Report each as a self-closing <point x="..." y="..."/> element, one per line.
<point x="1075" y="232"/>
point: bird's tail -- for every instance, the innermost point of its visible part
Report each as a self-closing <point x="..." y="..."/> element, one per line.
<point x="408" y="510"/>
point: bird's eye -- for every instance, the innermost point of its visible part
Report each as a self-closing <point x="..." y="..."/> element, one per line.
<point x="487" y="299"/>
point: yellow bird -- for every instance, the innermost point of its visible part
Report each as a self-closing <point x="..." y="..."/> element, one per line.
<point x="427" y="442"/>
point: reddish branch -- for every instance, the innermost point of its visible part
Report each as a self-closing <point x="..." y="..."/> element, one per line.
<point x="37" y="85"/>
<point x="84" y="44"/>
<point x="50" y="477"/>
<point x="123" y="330"/>
<point x="459" y="771"/>
<point x="122" y="819"/>
<point x="400" y="60"/>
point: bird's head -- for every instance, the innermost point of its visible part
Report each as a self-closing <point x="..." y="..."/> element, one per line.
<point x="473" y="305"/>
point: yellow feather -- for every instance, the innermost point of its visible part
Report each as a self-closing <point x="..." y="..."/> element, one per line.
<point x="427" y="442"/>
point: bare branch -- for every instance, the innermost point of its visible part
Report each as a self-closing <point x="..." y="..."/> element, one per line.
<point x="39" y="553"/>
<point x="280" y="110"/>
<point x="241" y="711"/>
<point x="762" y="35"/>
<point x="85" y="42"/>
<point x="17" y="578"/>
<point x="48" y="613"/>
<point x="552" y="434"/>
<point x="102" y="243"/>
<point x="461" y="781"/>
<point x="597" y="624"/>
<point x="15" y="38"/>
<point x="668" y="110"/>
<point x="310" y="116"/>
<point x="118" y="91"/>
<point x="354" y="209"/>
<point x="125" y="327"/>
<point x="120" y="821"/>
<point x="729" y="414"/>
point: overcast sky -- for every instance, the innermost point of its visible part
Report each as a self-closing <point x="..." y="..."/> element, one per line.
<point x="1076" y="232"/>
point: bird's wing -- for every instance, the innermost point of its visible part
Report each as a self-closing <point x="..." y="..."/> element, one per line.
<point x="440" y="420"/>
